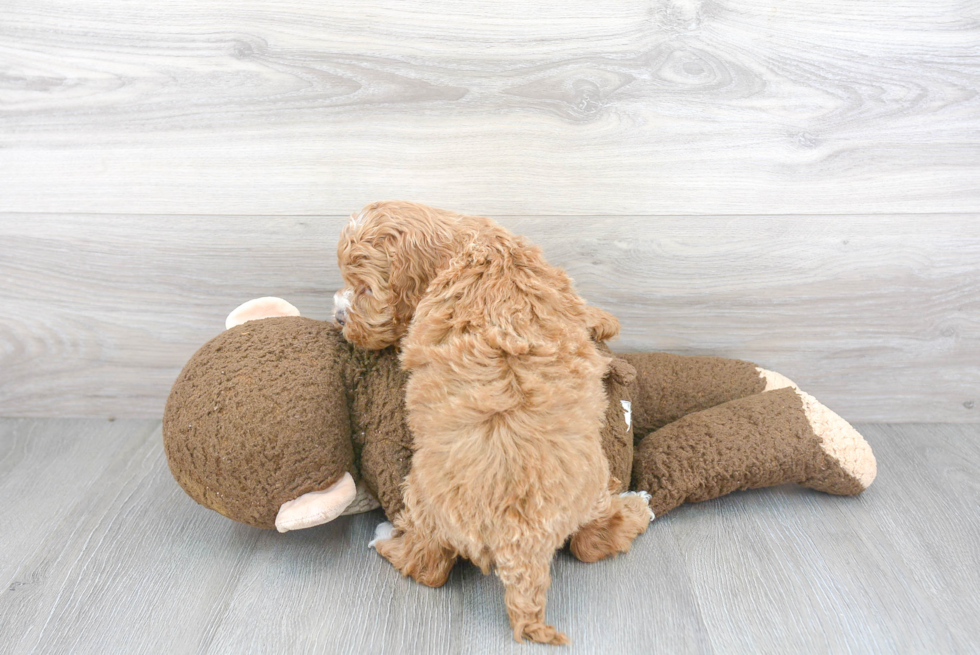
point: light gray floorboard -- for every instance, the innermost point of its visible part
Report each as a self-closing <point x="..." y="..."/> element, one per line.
<point x="515" y="107"/>
<point x="48" y="467"/>
<point x="111" y="556"/>
<point x="878" y="316"/>
<point x="932" y="519"/>
<point x="129" y="569"/>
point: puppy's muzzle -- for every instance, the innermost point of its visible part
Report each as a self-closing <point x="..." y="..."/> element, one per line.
<point x="341" y="305"/>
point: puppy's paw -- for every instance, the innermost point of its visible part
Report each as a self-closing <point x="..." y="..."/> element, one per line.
<point x="627" y="517"/>
<point x="424" y="561"/>
<point x="646" y="501"/>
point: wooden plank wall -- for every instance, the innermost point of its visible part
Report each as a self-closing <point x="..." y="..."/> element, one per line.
<point x="794" y="183"/>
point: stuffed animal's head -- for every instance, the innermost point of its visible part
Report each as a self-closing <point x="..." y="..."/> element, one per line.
<point x="257" y="427"/>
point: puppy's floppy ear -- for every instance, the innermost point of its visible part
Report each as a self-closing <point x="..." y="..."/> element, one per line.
<point x="415" y="258"/>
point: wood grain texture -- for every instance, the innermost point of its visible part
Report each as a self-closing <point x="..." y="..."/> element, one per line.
<point x="122" y="571"/>
<point x="572" y="107"/>
<point x="879" y="317"/>
<point x="933" y="534"/>
<point x="131" y="564"/>
<point x="855" y="576"/>
<point x="39" y="466"/>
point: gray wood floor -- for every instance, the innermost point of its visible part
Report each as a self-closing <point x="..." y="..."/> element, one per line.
<point x="101" y="552"/>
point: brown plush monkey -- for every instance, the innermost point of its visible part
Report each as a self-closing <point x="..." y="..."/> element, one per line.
<point x="279" y="422"/>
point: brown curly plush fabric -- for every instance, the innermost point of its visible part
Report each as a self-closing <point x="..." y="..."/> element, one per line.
<point x="381" y="437"/>
<point x="668" y="387"/>
<point x="259" y="416"/>
<point x="617" y="434"/>
<point x="278" y="407"/>
<point x="275" y="408"/>
<point x="758" y="441"/>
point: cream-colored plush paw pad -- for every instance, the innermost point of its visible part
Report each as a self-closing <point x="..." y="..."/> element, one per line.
<point x="775" y="380"/>
<point x="840" y="440"/>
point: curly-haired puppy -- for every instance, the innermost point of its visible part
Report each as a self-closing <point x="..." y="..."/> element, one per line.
<point x="505" y="400"/>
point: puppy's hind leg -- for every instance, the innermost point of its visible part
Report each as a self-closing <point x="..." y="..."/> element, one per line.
<point x="526" y="578"/>
<point x="417" y="555"/>
<point x="621" y="519"/>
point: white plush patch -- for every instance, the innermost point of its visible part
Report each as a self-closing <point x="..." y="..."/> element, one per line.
<point x="628" y="410"/>
<point x="645" y="496"/>
<point x="259" y="308"/>
<point x="381" y="531"/>
<point x="840" y="440"/>
<point x="775" y="380"/>
<point x="317" y="507"/>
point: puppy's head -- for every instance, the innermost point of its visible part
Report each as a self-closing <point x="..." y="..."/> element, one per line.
<point x="388" y="253"/>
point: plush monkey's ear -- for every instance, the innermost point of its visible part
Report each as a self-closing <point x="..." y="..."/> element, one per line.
<point x="252" y="310"/>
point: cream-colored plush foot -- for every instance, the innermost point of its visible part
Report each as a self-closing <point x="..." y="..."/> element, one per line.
<point x="317" y="507"/>
<point x="839" y="439"/>
<point x="252" y="310"/>
<point x="775" y="380"/>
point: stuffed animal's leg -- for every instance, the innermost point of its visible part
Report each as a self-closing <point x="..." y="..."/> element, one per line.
<point x="770" y="438"/>
<point x="668" y="387"/>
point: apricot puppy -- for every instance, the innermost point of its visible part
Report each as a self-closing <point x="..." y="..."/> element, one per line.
<point x="505" y="400"/>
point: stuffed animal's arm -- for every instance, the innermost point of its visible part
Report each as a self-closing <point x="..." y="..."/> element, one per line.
<point x="668" y="387"/>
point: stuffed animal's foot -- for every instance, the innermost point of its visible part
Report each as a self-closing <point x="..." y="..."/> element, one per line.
<point x="628" y="516"/>
<point x="424" y="560"/>
<point x="849" y="467"/>
<point x="779" y="436"/>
